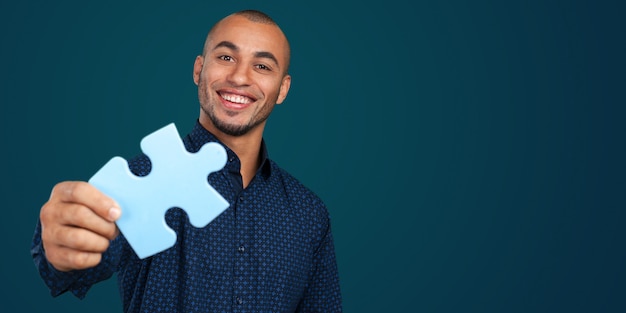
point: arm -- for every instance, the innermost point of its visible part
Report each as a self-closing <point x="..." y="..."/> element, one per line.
<point x="76" y="281"/>
<point x="73" y="246"/>
<point x="323" y="293"/>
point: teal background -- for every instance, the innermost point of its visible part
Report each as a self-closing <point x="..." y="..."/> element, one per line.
<point x="471" y="153"/>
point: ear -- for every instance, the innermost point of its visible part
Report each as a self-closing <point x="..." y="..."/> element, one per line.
<point x="284" y="89"/>
<point x="197" y="69"/>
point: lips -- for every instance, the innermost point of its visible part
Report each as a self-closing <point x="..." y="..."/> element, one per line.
<point x="235" y="101"/>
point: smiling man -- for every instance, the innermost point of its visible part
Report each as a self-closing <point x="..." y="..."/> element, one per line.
<point x="270" y="251"/>
<point x="241" y="75"/>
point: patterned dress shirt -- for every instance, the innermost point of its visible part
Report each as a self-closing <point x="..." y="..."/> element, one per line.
<point x="270" y="251"/>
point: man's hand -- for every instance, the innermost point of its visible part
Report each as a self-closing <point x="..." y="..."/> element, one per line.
<point x="77" y="224"/>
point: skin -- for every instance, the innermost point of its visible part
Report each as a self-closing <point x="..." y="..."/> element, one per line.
<point x="77" y="223"/>
<point x="243" y="61"/>
<point x="236" y="62"/>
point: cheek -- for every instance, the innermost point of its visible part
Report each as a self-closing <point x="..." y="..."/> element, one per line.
<point x="211" y="72"/>
<point x="271" y="90"/>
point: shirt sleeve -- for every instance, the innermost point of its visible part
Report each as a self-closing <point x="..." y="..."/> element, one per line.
<point x="77" y="282"/>
<point x="323" y="293"/>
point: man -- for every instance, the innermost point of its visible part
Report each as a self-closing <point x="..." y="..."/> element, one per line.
<point x="270" y="251"/>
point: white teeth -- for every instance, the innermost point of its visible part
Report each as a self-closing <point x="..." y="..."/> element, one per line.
<point x="236" y="98"/>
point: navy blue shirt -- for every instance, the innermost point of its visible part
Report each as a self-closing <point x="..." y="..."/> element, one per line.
<point x="270" y="251"/>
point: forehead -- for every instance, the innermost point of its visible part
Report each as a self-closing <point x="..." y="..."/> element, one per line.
<point x="249" y="36"/>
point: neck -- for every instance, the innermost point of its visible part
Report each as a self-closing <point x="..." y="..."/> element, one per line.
<point x="247" y="148"/>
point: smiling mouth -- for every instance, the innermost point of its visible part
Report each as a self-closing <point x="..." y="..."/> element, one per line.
<point x="238" y="100"/>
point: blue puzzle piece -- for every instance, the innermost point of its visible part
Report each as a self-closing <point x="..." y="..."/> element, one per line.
<point x="177" y="179"/>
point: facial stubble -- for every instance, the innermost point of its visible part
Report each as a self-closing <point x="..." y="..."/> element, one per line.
<point x="227" y="128"/>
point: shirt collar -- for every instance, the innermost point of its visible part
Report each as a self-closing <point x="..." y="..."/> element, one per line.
<point x="199" y="136"/>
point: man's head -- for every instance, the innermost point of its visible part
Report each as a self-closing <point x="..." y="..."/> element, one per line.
<point x="242" y="73"/>
<point x="257" y="17"/>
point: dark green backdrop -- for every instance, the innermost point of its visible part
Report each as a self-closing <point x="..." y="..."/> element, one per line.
<point x="471" y="153"/>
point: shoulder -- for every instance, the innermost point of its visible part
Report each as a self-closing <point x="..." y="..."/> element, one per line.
<point x="300" y="197"/>
<point x="304" y="206"/>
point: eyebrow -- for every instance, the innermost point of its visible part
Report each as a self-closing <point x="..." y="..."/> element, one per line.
<point x="259" y="54"/>
<point x="226" y="44"/>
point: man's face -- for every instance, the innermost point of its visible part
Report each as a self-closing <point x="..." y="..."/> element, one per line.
<point x="242" y="75"/>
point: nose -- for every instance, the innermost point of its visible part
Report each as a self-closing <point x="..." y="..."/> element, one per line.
<point x="239" y="75"/>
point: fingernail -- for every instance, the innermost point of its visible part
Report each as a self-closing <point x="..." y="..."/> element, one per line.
<point x="114" y="213"/>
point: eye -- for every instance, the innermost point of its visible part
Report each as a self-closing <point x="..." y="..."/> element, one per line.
<point x="263" y="67"/>
<point x="226" y="58"/>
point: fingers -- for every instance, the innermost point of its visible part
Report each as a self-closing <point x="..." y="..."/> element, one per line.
<point x="77" y="239"/>
<point x="65" y="259"/>
<point x="87" y="195"/>
<point x="77" y="224"/>
<point x="72" y="248"/>
<point x="80" y="216"/>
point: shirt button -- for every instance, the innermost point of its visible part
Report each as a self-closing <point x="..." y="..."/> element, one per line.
<point x="239" y="300"/>
<point x="241" y="249"/>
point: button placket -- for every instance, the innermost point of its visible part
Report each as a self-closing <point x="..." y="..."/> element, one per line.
<point x="240" y="246"/>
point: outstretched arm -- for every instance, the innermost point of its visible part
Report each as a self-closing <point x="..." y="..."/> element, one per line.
<point x="75" y="229"/>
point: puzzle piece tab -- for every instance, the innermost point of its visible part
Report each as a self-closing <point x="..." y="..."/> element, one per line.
<point x="178" y="179"/>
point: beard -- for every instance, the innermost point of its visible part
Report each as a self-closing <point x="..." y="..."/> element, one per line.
<point x="230" y="129"/>
<point x="235" y="130"/>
